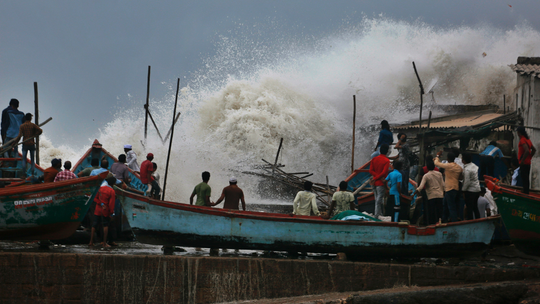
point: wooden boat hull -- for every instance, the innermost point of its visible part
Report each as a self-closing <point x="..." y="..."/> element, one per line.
<point x="174" y="224"/>
<point x="46" y="211"/>
<point x="521" y="215"/>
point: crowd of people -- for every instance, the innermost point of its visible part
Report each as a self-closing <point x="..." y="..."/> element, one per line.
<point x="451" y="189"/>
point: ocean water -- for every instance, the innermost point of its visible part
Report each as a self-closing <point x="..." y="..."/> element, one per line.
<point x="256" y="90"/>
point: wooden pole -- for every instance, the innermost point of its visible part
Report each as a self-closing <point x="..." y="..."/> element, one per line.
<point x="504" y="110"/>
<point x="36" y="118"/>
<point x="353" y="132"/>
<point x="146" y="105"/>
<point x="169" y="132"/>
<point x="170" y="143"/>
<point x="328" y="187"/>
<point x="421" y="94"/>
<point x="154" y="123"/>
<point x="277" y="155"/>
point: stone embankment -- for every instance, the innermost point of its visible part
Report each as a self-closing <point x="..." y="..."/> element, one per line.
<point x="89" y="278"/>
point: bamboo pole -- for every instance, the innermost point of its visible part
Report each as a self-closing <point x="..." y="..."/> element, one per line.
<point x="421" y="94"/>
<point x="328" y="188"/>
<point x="146" y="105"/>
<point x="170" y="142"/>
<point x="169" y="132"/>
<point x="421" y="160"/>
<point x="277" y="156"/>
<point x="154" y="123"/>
<point x="353" y="132"/>
<point x="36" y="118"/>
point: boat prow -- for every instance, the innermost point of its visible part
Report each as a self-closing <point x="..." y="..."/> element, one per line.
<point x="47" y="211"/>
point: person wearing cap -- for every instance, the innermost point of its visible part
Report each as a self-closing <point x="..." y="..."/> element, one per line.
<point x="12" y="119"/>
<point x="147" y="167"/>
<point x="131" y="158"/>
<point x="28" y="131"/>
<point x="105" y="205"/>
<point x="50" y="173"/>
<point x="232" y="195"/>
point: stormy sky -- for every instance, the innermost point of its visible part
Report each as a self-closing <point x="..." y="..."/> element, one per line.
<point x="90" y="58"/>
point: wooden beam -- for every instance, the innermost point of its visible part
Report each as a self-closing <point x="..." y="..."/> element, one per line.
<point x="36" y="119"/>
<point x="171" y="141"/>
<point x="147" y="104"/>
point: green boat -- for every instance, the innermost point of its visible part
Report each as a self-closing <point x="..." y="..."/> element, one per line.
<point x="520" y="213"/>
<point x="48" y="211"/>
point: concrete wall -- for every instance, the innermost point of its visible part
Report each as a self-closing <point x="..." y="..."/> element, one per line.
<point x="76" y="278"/>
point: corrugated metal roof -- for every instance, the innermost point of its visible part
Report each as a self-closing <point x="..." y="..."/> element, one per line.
<point x="454" y="121"/>
<point x="526" y="69"/>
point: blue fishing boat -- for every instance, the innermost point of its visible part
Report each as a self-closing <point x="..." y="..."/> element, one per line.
<point x="175" y="224"/>
<point x="97" y="151"/>
<point x="48" y="211"/>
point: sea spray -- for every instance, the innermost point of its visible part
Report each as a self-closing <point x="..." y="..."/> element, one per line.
<point x="255" y="91"/>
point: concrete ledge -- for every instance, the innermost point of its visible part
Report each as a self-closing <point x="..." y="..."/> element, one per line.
<point x="87" y="278"/>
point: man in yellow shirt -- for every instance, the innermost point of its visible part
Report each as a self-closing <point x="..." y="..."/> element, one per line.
<point x="453" y="173"/>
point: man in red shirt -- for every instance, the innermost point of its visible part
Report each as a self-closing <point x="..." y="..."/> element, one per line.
<point x="50" y="173"/>
<point x="379" y="170"/>
<point x="104" y="210"/>
<point x="526" y="151"/>
<point x="147" y="167"/>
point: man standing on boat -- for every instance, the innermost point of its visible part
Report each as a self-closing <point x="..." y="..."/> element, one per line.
<point x="12" y="119"/>
<point x="385" y="138"/>
<point x="28" y="131"/>
<point x="66" y="174"/>
<point x="379" y="170"/>
<point x="526" y="151"/>
<point x="305" y="202"/>
<point x="342" y="200"/>
<point x="487" y="159"/>
<point x="202" y="191"/>
<point x="131" y="158"/>
<point x="104" y="209"/>
<point x="453" y="174"/>
<point x="433" y="182"/>
<point x="50" y="173"/>
<point x="404" y="156"/>
<point x="232" y="195"/>
<point x="394" y="181"/>
<point x="471" y="187"/>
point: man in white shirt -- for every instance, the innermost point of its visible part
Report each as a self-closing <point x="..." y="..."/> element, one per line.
<point x="131" y="159"/>
<point x="305" y="201"/>
<point x="471" y="186"/>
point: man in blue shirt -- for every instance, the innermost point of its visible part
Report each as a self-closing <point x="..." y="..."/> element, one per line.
<point x="487" y="159"/>
<point x="385" y="137"/>
<point x="12" y="119"/>
<point x="394" y="180"/>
